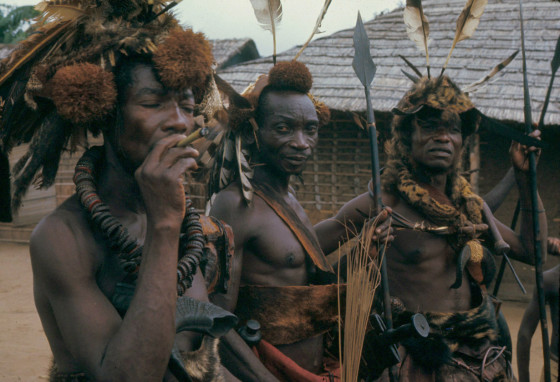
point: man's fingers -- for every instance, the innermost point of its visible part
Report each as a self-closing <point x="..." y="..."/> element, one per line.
<point x="174" y="154"/>
<point x="181" y="166"/>
<point x="164" y="144"/>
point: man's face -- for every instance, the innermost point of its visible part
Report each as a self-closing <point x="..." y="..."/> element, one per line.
<point x="151" y="113"/>
<point x="288" y="132"/>
<point x="436" y="140"/>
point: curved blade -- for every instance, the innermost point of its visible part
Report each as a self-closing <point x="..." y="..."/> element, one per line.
<point x="462" y="261"/>
<point x="363" y="63"/>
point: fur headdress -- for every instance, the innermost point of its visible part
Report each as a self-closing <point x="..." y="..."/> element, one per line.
<point x="438" y="93"/>
<point x="234" y="156"/>
<point x="60" y="82"/>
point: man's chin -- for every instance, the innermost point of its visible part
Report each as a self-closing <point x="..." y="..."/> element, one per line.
<point x="295" y="170"/>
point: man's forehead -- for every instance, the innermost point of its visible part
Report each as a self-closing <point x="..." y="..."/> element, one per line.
<point x="144" y="82"/>
<point x="288" y="103"/>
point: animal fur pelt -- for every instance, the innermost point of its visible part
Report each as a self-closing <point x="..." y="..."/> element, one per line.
<point x="474" y="328"/>
<point x="291" y="313"/>
<point x="203" y="364"/>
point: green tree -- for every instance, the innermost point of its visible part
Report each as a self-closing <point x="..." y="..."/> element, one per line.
<point x="15" y="22"/>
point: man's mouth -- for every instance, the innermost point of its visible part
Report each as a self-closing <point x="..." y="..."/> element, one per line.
<point x="440" y="151"/>
<point x="296" y="159"/>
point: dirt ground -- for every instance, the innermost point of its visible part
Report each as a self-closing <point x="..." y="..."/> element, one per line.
<point x="24" y="350"/>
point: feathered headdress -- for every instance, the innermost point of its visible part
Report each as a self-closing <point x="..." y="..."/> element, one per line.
<point x="59" y="83"/>
<point x="233" y="158"/>
<point x="440" y="92"/>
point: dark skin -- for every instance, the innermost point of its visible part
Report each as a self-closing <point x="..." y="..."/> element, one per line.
<point x="496" y="196"/>
<point x="531" y="319"/>
<point x="421" y="266"/>
<point x="267" y="253"/>
<point x="75" y="273"/>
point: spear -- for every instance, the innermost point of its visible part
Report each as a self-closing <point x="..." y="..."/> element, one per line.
<point x="554" y="64"/>
<point x="534" y="202"/>
<point x="365" y="70"/>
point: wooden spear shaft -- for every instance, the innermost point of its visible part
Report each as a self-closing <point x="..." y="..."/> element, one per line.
<point x="365" y="71"/>
<point x="539" y="282"/>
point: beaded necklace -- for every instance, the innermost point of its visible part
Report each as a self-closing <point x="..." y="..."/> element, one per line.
<point x="129" y="250"/>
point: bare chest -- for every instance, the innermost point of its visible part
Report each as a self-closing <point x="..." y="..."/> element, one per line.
<point x="422" y="267"/>
<point x="274" y="250"/>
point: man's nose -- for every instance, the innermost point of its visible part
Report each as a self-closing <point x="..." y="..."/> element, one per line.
<point x="299" y="140"/>
<point x="442" y="135"/>
<point x="178" y="121"/>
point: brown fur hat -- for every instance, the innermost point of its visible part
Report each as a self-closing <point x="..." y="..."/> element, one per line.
<point x="290" y="75"/>
<point x="184" y="60"/>
<point x="83" y="92"/>
<point x="287" y="75"/>
<point x="438" y="93"/>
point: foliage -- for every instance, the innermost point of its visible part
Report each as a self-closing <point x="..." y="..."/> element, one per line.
<point x="14" y="22"/>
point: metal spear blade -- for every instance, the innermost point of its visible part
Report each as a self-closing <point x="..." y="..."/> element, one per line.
<point x="363" y="63"/>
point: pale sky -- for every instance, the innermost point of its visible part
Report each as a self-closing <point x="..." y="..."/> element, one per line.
<point x="220" y="19"/>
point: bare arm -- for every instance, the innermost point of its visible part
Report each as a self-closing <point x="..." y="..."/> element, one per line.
<point x="236" y="355"/>
<point x="522" y="246"/>
<point x="138" y="346"/>
<point x="496" y="196"/>
<point x="349" y="221"/>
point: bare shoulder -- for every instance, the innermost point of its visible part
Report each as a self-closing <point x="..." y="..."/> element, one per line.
<point x="62" y="243"/>
<point x="229" y="204"/>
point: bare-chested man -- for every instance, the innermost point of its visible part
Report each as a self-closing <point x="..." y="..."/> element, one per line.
<point x="286" y="282"/>
<point x="105" y="263"/>
<point x="421" y="184"/>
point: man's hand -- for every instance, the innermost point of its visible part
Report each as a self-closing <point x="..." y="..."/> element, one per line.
<point x="160" y="179"/>
<point x="520" y="153"/>
<point x="383" y="232"/>
<point x="553" y="246"/>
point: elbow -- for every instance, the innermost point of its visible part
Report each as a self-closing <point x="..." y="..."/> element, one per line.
<point x="524" y="253"/>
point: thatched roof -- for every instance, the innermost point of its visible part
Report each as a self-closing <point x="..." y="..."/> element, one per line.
<point x="497" y="37"/>
<point x="228" y="52"/>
